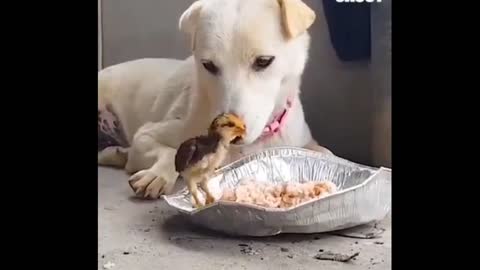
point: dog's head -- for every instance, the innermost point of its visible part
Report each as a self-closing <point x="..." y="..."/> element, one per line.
<point x="249" y="55"/>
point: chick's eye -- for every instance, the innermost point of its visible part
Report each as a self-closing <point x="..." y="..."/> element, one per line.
<point x="262" y="62"/>
<point x="210" y="67"/>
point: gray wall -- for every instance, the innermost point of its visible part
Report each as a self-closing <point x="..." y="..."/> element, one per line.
<point x="340" y="100"/>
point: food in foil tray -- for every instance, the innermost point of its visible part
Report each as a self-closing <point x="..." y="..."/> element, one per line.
<point x="280" y="190"/>
<point x="269" y="195"/>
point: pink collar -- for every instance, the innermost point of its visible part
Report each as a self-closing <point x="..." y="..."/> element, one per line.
<point x="278" y="122"/>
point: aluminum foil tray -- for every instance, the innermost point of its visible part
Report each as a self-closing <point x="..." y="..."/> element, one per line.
<point x="363" y="196"/>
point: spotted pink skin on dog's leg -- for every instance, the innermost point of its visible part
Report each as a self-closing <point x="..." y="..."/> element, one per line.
<point x="110" y="131"/>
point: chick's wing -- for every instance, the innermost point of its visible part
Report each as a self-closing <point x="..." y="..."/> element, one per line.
<point x="185" y="153"/>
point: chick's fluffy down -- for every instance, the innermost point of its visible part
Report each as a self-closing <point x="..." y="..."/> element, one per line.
<point x="277" y="196"/>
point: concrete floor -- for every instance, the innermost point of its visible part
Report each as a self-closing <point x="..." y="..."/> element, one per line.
<point x="142" y="235"/>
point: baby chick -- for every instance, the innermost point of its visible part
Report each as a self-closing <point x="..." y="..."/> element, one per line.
<point x="199" y="157"/>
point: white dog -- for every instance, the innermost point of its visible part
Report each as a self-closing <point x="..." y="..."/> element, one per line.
<point x="248" y="59"/>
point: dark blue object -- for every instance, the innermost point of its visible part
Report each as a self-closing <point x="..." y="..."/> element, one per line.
<point x="349" y="27"/>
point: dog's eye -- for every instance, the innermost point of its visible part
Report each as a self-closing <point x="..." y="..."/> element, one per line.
<point x="210" y="66"/>
<point x="262" y="62"/>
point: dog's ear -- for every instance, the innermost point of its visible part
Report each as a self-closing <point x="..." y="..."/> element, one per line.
<point x="297" y="17"/>
<point x="188" y="21"/>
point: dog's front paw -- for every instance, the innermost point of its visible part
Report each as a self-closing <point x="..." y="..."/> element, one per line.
<point x="150" y="184"/>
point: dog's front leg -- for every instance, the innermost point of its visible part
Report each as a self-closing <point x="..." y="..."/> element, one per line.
<point x="152" y="159"/>
<point x="158" y="179"/>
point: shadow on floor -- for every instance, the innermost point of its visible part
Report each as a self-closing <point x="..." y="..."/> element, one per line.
<point x="181" y="232"/>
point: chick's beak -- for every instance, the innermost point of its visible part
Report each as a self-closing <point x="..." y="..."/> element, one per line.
<point x="239" y="135"/>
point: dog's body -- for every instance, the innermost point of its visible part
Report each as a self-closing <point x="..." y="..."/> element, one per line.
<point x="248" y="58"/>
